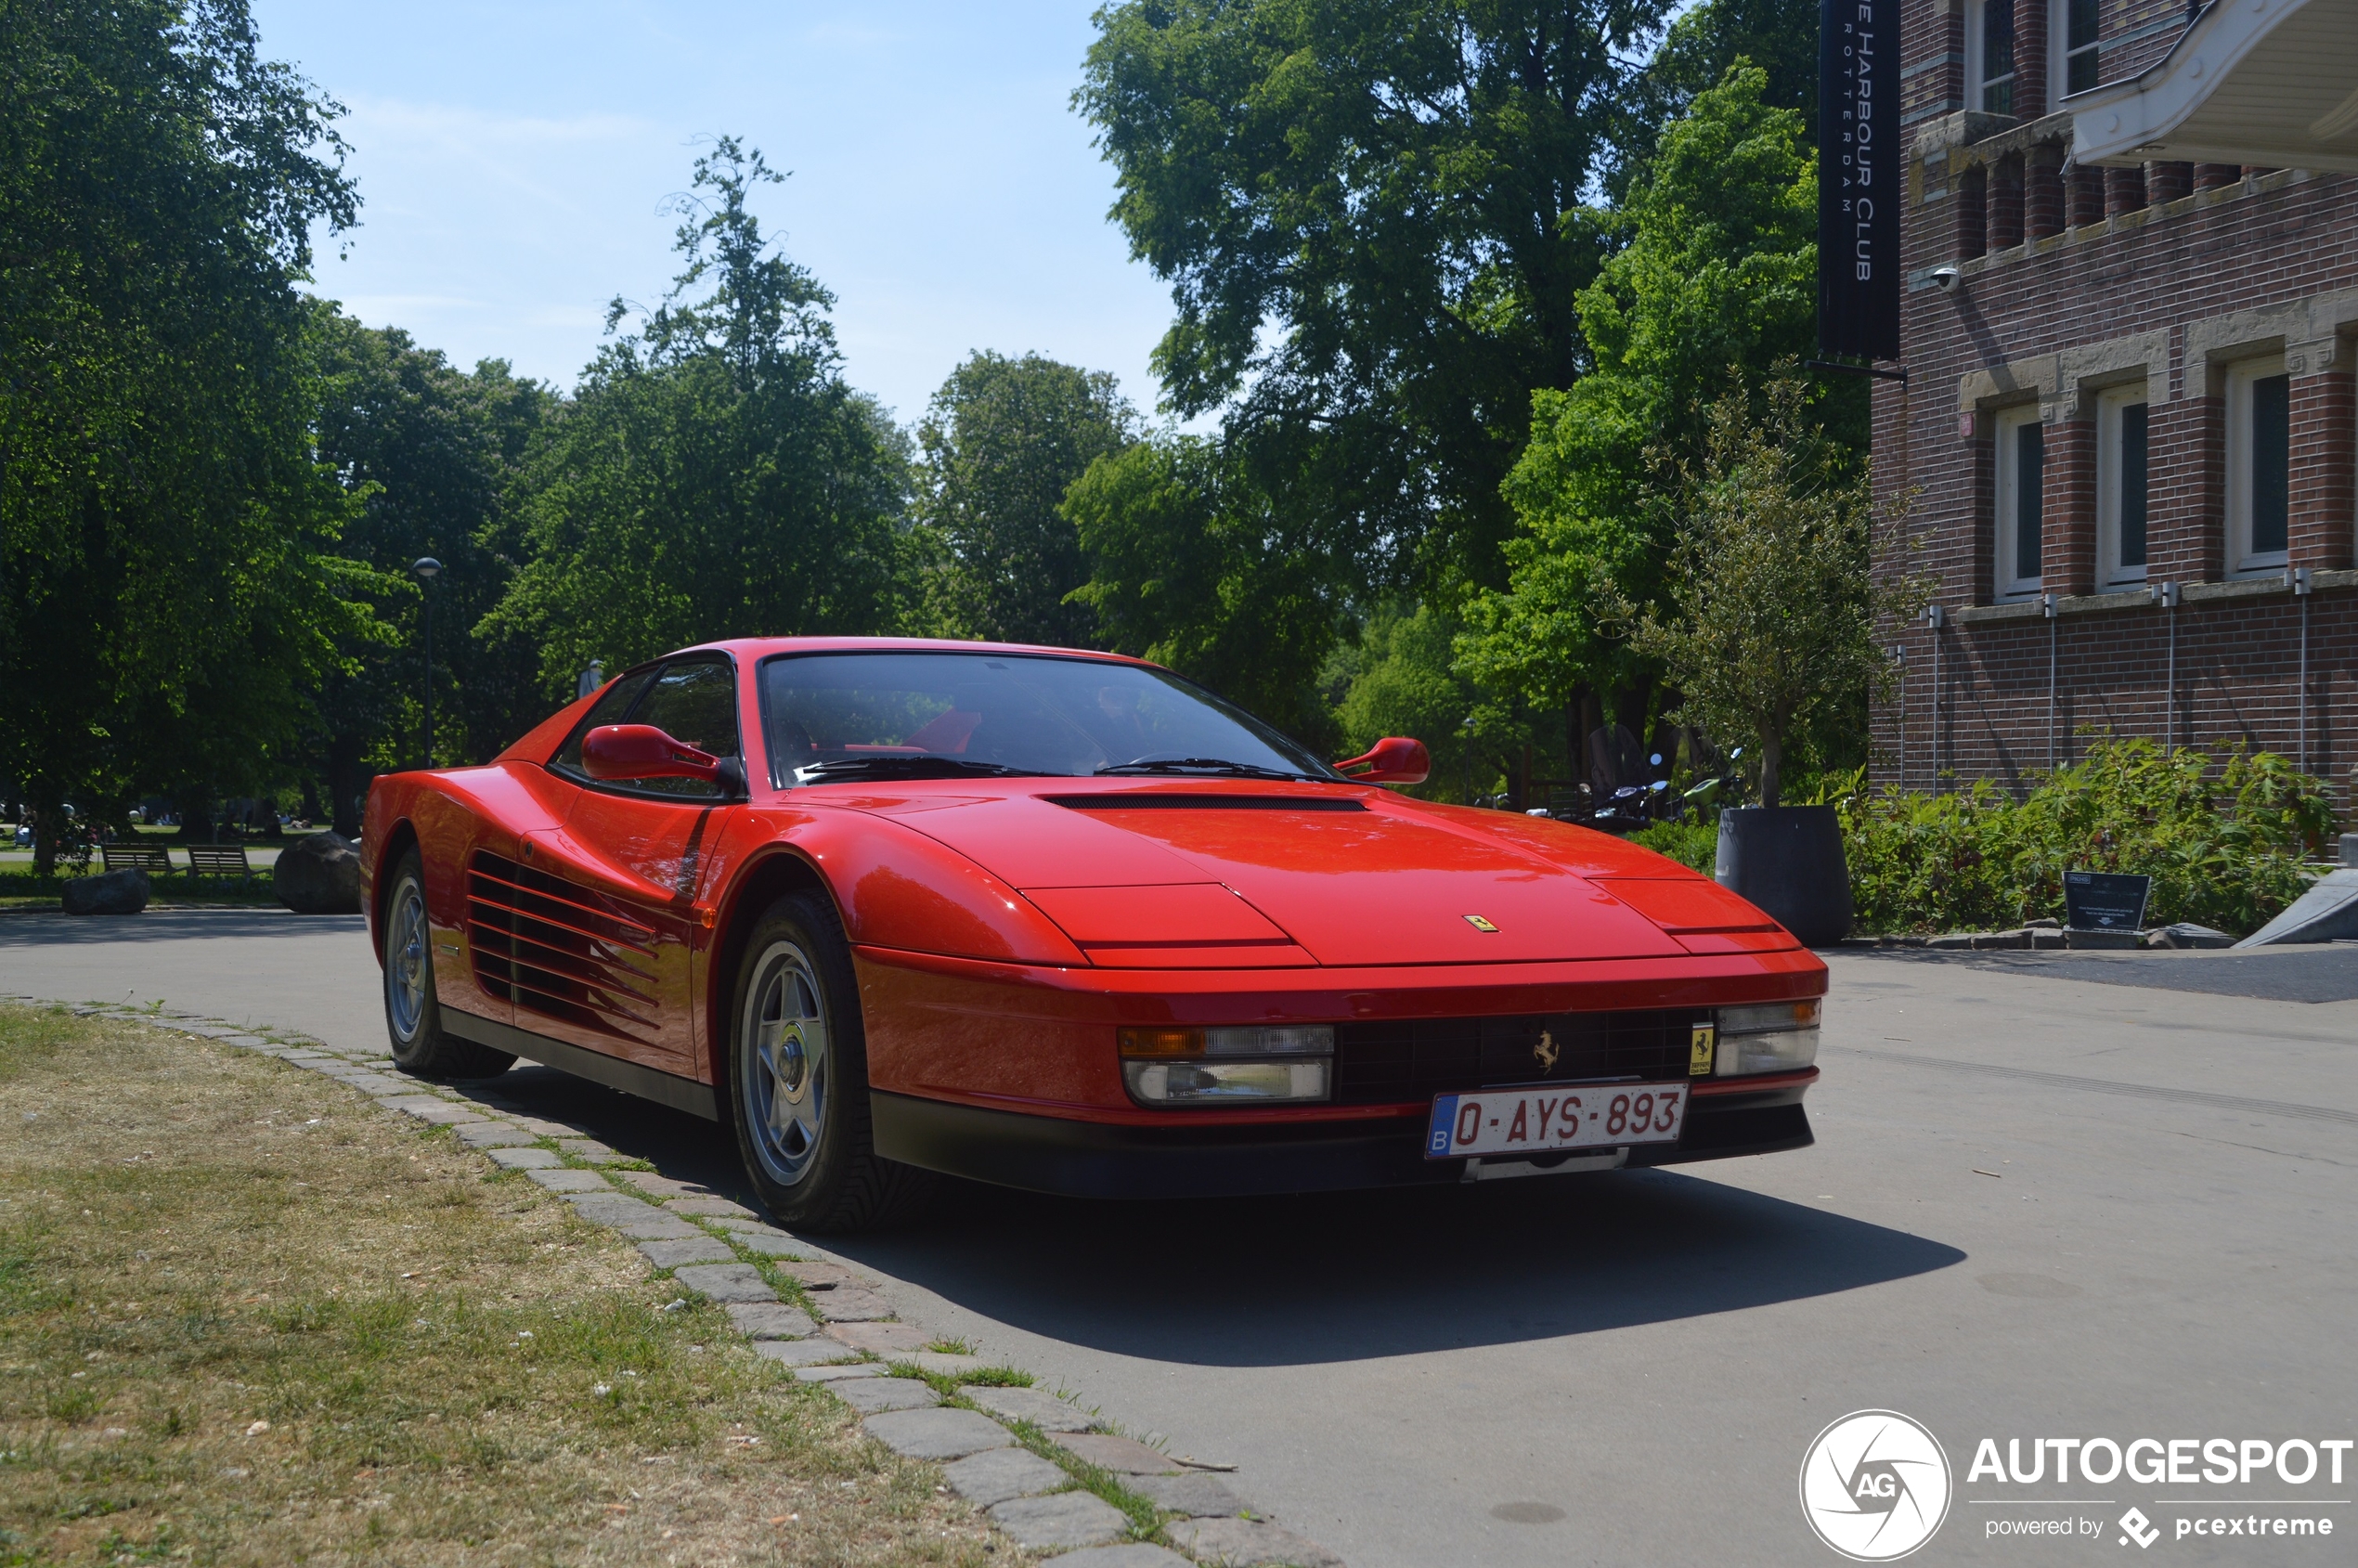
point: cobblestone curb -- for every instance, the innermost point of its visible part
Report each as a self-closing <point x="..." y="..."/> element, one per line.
<point x="1047" y="1470"/>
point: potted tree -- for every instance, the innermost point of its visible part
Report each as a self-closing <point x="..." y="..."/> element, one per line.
<point x="1767" y="622"/>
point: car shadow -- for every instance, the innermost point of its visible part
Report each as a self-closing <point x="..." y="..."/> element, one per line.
<point x="164" y="924"/>
<point x="1321" y="1278"/>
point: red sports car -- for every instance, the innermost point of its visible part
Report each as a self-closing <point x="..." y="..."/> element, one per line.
<point x="1063" y="921"/>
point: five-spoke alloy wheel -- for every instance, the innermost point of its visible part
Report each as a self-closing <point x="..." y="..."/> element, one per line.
<point x="797" y="1077"/>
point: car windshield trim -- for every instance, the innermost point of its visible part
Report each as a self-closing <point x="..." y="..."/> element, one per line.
<point x="1028" y="714"/>
<point x="1216" y="766"/>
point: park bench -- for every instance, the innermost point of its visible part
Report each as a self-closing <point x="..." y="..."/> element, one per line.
<point x="153" y="859"/>
<point x="218" y="860"/>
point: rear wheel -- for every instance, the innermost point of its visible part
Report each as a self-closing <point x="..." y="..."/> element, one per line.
<point x="413" y="1016"/>
<point x="797" y="1079"/>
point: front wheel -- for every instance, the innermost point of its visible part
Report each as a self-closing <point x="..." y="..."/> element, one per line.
<point x="798" y="1076"/>
<point x="413" y="1016"/>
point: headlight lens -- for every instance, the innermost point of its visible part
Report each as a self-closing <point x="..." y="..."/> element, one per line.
<point x="1293" y="1040"/>
<point x="1172" y="1067"/>
<point x="1771" y="1037"/>
<point x="1226" y="1082"/>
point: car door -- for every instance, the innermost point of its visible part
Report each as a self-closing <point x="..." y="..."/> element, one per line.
<point x="514" y="923"/>
<point x="629" y="859"/>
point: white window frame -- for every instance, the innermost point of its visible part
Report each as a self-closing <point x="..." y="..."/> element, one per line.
<point x="2242" y="560"/>
<point x="2112" y="574"/>
<point x="1975" y="12"/>
<point x="2008" y="423"/>
<point x="2059" y="50"/>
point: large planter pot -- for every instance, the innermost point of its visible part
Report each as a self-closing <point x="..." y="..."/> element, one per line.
<point x="1788" y="861"/>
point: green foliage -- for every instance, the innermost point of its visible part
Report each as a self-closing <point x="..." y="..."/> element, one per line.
<point x="1780" y="37"/>
<point x="1003" y="442"/>
<point x="1715" y="284"/>
<point x="1187" y="569"/>
<point x="425" y="450"/>
<point x="168" y="591"/>
<point x="2223" y="845"/>
<point x="1771" y="608"/>
<point x="1693" y="841"/>
<point x="1369" y="215"/>
<point x="715" y="477"/>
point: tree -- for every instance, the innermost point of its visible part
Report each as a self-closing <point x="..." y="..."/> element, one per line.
<point x="1189" y="569"/>
<point x="1003" y="442"/>
<point x="1769" y="610"/>
<point x="1371" y="215"/>
<point x="425" y="451"/>
<point x="1779" y="36"/>
<point x="166" y="540"/>
<point x="713" y="476"/>
<point x="1714" y="285"/>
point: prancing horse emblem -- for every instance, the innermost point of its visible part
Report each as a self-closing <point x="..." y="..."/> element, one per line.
<point x="1546" y="1051"/>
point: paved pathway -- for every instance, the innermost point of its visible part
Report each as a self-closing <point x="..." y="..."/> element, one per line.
<point x="2038" y="1207"/>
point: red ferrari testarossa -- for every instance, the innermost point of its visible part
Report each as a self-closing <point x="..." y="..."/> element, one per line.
<point x="1063" y="921"/>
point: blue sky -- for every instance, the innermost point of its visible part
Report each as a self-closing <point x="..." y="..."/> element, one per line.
<point x="513" y="156"/>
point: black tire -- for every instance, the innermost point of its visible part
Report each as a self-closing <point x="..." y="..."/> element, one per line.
<point x="800" y="1109"/>
<point x="413" y="1016"/>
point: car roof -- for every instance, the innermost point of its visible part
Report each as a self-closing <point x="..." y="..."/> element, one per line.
<point x="762" y="647"/>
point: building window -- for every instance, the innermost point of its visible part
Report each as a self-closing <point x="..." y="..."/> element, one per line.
<point x="2121" y="486"/>
<point x="2022" y="453"/>
<point x="1989" y="56"/>
<point x="2075" y="28"/>
<point x="2259" y="464"/>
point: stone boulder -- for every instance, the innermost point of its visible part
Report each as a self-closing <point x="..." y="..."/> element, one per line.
<point x="318" y="873"/>
<point x="115" y="892"/>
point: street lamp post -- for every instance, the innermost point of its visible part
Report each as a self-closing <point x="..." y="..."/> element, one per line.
<point x="428" y="568"/>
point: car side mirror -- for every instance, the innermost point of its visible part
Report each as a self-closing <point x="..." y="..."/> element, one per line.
<point x="1394" y="760"/>
<point x="614" y="752"/>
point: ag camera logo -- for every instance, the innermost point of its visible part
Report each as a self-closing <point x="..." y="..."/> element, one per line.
<point x="1874" y="1485"/>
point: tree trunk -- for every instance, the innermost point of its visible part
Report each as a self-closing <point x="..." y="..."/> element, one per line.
<point x="344" y="784"/>
<point x="1771" y="759"/>
<point x="46" y="818"/>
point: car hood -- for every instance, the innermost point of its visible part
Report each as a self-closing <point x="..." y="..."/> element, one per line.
<point x="1189" y="875"/>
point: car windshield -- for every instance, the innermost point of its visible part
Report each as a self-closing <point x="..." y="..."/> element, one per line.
<point x="948" y="715"/>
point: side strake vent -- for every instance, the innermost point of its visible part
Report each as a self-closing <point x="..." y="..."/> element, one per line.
<point x="560" y="949"/>
<point x="1172" y="800"/>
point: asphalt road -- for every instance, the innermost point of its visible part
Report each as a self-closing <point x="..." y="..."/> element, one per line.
<point x="2046" y="1201"/>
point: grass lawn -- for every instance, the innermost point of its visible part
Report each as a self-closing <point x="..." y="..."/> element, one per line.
<point x="22" y="890"/>
<point x="246" y="1318"/>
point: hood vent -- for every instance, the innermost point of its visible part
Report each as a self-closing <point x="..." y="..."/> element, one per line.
<point x="1173" y="800"/>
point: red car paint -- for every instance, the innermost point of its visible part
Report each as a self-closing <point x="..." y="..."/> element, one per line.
<point x="1004" y="928"/>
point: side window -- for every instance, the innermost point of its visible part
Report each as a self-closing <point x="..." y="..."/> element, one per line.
<point x="695" y="701"/>
<point x="608" y="709"/>
<point x="2021" y="483"/>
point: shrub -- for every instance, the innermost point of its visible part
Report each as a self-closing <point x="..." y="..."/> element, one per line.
<point x="2223" y="845"/>
<point x="1693" y="843"/>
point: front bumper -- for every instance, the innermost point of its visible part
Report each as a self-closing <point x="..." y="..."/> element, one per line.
<point x="1079" y="1159"/>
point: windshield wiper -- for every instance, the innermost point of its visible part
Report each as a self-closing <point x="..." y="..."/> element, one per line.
<point x="912" y="767"/>
<point x="1197" y="765"/>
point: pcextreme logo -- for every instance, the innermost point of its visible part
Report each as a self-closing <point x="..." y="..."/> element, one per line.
<point x="1874" y="1485"/>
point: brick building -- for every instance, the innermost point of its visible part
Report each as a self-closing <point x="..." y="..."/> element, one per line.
<point x="2128" y="321"/>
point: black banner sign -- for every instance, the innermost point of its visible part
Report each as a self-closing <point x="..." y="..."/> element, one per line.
<point x="2102" y="900"/>
<point x="1860" y="165"/>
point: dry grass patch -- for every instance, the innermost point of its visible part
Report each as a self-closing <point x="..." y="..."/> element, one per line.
<point x="246" y="1318"/>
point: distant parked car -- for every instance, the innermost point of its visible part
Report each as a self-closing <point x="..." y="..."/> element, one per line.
<point x="24" y="836"/>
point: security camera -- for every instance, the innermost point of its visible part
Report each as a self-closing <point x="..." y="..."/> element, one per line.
<point x="1946" y="277"/>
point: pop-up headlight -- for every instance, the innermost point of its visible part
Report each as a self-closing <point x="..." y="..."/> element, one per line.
<point x="1772" y="1037"/>
<point x="1254" y="1064"/>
